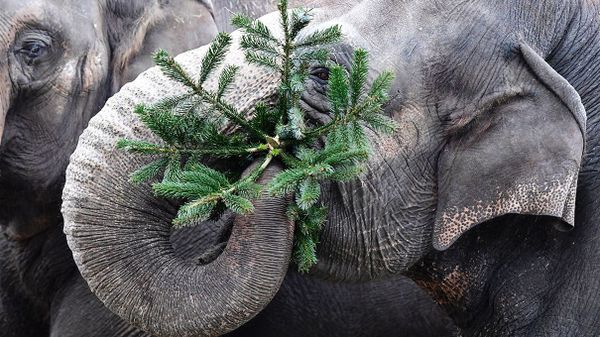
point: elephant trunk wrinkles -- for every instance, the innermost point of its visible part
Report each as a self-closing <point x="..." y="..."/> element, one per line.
<point x="119" y="232"/>
<point x="120" y="239"/>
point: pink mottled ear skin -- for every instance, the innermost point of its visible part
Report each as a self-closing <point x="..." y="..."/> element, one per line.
<point x="523" y="159"/>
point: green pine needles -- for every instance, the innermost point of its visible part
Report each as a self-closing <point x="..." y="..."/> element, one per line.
<point x="190" y="127"/>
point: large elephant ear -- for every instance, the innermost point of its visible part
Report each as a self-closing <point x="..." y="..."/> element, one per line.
<point x="522" y="157"/>
<point x="137" y="28"/>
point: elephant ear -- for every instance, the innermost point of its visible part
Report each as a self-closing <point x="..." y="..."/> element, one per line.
<point x="137" y="28"/>
<point x="521" y="157"/>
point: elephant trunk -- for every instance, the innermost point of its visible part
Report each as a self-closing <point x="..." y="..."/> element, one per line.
<point x="119" y="232"/>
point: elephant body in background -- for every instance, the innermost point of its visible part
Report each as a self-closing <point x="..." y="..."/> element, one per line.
<point x="486" y="195"/>
<point x="63" y="60"/>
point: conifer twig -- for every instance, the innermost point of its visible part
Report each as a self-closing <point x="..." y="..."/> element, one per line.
<point x="192" y="137"/>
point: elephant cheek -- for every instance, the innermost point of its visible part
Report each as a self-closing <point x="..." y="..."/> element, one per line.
<point x="81" y="75"/>
<point x="5" y="93"/>
<point x="95" y="69"/>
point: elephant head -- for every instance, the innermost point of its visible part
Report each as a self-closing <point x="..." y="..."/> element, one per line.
<point x="487" y="128"/>
<point x="60" y="61"/>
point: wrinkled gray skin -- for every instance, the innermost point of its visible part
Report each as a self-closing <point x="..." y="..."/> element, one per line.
<point x="59" y="62"/>
<point x="63" y="60"/>
<point x="224" y="9"/>
<point x="468" y="197"/>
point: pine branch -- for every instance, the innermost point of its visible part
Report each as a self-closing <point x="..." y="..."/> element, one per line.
<point x="327" y="36"/>
<point x="214" y="56"/>
<point x="226" y="79"/>
<point x="338" y="90"/>
<point x="358" y="76"/>
<point x="171" y="68"/>
<point x="190" y="127"/>
<point x="194" y="211"/>
<point x="262" y="60"/>
<point x="381" y="86"/>
<point x="258" y="43"/>
<point x="308" y="194"/>
<point x="300" y="19"/>
<point x="148" y="171"/>
<point x="253" y="27"/>
<point x="319" y="56"/>
<point x="238" y="204"/>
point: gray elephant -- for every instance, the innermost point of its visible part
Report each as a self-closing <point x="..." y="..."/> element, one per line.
<point x="60" y="61"/>
<point x="63" y="60"/>
<point x="486" y="195"/>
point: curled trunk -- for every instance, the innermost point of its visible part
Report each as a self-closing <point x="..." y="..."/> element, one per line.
<point x="119" y="233"/>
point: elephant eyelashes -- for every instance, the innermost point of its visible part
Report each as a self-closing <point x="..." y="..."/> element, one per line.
<point x="34" y="48"/>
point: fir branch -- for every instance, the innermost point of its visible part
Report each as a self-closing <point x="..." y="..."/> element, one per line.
<point x="301" y="17"/>
<point x="171" y="68"/>
<point x="286" y="181"/>
<point x="358" y="76"/>
<point x="319" y="56"/>
<point x="381" y="123"/>
<point x="238" y="204"/>
<point x="214" y="56"/>
<point x="381" y="86"/>
<point x="248" y="189"/>
<point x="320" y="38"/>
<point x="148" y="171"/>
<point x="253" y="27"/>
<point x="170" y="189"/>
<point x="226" y="79"/>
<point x="296" y="123"/>
<point x="305" y="249"/>
<point x="262" y="59"/>
<point x="258" y="43"/>
<point x="338" y="90"/>
<point x="285" y="101"/>
<point x="190" y="127"/>
<point x="173" y="168"/>
<point x="194" y="211"/>
<point x="306" y="237"/>
<point x="308" y="193"/>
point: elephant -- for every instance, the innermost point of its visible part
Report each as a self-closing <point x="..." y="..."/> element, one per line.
<point x="60" y="62"/>
<point x="63" y="60"/>
<point x="486" y="195"/>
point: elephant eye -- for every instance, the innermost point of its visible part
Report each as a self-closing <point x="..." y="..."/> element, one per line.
<point x="33" y="50"/>
<point x="321" y="73"/>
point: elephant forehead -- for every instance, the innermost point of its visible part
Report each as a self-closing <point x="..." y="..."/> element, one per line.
<point x="19" y="10"/>
<point x="74" y="20"/>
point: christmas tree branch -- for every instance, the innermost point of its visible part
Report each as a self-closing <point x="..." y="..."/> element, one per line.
<point x="192" y="135"/>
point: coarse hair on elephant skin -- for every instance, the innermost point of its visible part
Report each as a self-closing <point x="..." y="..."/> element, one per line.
<point x="63" y="59"/>
<point x="486" y="195"/>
